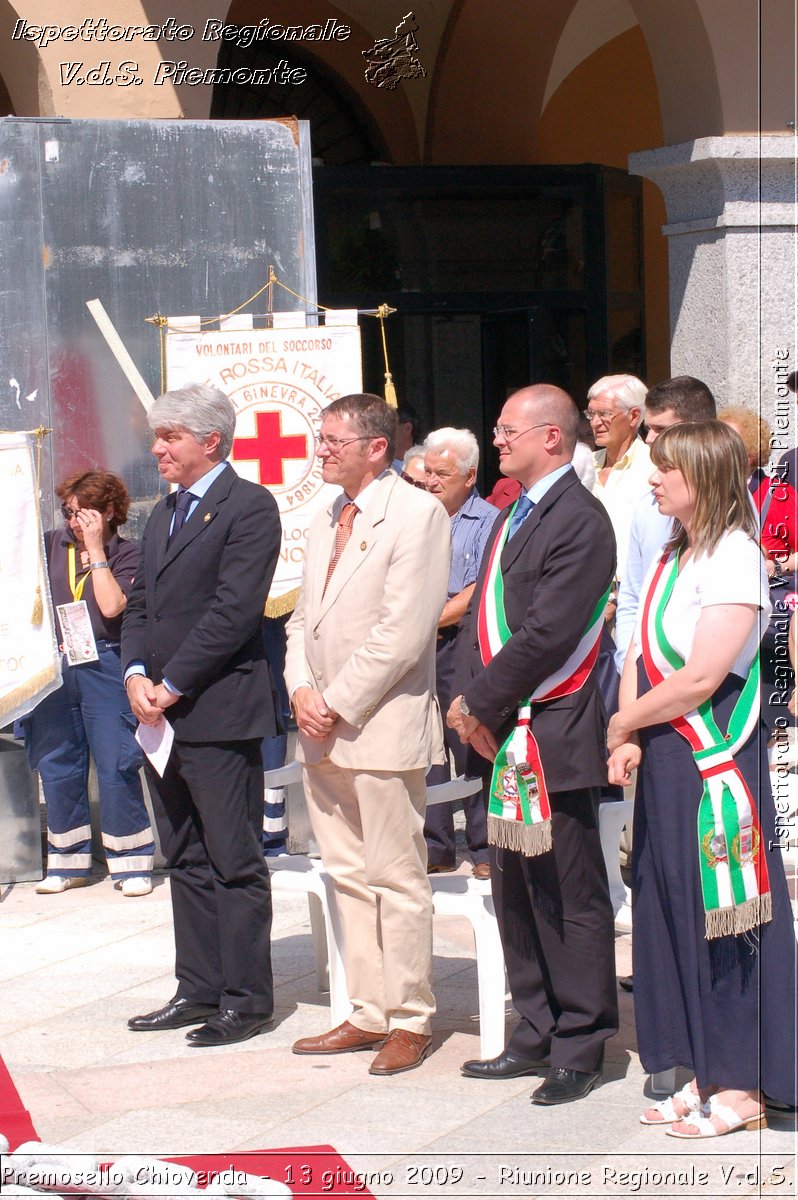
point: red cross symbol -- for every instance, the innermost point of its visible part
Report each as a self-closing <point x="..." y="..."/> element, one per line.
<point x="269" y="448"/>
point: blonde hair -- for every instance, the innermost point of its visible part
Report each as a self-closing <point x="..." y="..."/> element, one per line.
<point x="752" y="429"/>
<point x="712" y="459"/>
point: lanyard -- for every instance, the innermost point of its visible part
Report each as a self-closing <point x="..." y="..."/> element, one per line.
<point x="76" y="590"/>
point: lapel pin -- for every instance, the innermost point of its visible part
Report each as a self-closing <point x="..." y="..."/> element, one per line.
<point x="207" y="517"/>
<point x="363" y="545"/>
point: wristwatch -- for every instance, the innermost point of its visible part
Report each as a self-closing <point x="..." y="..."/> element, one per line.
<point x="464" y="709"/>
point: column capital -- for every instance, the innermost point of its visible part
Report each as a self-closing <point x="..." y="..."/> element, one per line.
<point x="725" y="182"/>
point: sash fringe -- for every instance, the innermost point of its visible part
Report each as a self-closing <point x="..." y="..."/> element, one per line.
<point x="529" y="840"/>
<point x="741" y="918"/>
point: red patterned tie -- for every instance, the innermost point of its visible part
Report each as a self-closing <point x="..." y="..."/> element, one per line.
<point x="342" y="536"/>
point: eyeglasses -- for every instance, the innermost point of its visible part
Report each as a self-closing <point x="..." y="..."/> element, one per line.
<point x="605" y="415"/>
<point x="335" y="444"/>
<point x="511" y="435"/>
<point x="419" y="483"/>
<point x="68" y="513"/>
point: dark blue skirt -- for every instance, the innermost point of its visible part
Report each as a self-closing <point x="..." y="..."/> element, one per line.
<point x="725" y="1008"/>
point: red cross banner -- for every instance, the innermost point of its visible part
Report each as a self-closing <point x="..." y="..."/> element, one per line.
<point x="279" y="379"/>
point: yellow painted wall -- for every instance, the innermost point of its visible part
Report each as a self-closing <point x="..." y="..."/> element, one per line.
<point x="605" y="110"/>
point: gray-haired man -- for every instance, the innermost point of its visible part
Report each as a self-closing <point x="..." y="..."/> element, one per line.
<point x="192" y="651"/>
<point x="451" y="458"/>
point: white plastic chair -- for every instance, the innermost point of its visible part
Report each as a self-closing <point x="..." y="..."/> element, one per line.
<point x="452" y="895"/>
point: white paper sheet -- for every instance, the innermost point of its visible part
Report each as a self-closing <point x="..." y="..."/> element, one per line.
<point x="156" y="742"/>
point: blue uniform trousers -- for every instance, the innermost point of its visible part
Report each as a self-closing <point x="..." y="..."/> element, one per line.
<point x="89" y="715"/>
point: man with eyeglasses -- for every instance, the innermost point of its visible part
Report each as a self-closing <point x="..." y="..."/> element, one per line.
<point x="623" y="466"/>
<point x="622" y="458"/>
<point x="529" y="704"/>
<point x="451" y="458"/>
<point x="360" y="670"/>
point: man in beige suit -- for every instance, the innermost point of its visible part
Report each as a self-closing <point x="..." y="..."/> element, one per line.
<point x="360" y="669"/>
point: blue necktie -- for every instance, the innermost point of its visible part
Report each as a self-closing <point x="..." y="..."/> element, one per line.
<point x="182" y="505"/>
<point x="522" y="510"/>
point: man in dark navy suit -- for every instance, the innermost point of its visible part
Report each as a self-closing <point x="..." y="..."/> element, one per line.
<point x="192" y="651"/>
<point x="553" y="565"/>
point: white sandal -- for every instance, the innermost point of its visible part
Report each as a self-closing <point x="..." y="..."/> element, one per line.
<point x="713" y="1108"/>
<point x="667" y="1113"/>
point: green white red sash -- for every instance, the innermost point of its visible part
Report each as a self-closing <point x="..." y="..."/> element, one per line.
<point x="734" y="877"/>
<point x="519" y="813"/>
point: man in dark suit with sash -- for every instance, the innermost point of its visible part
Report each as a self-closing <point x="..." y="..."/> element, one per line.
<point x="192" y="651"/>
<point x="528" y="703"/>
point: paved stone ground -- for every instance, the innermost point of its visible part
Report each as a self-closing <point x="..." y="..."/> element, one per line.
<point x="74" y="967"/>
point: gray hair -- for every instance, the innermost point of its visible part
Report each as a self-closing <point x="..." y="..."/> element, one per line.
<point x="626" y="390"/>
<point x="200" y="410"/>
<point x="461" y="442"/>
<point x="413" y="452"/>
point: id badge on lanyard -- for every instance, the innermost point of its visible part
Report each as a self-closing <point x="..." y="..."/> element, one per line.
<point x="79" y="644"/>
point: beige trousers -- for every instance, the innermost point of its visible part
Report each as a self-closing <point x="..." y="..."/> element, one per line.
<point x="369" y="827"/>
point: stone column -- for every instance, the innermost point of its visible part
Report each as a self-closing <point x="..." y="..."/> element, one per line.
<point x="733" y="257"/>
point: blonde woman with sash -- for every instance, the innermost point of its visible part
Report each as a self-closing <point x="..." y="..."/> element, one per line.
<point x="714" y="948"/>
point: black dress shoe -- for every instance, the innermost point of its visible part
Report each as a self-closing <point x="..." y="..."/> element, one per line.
<point x="627" y="983"/>
<point x="506" y="1066"/>
<point x="227" y="1026"/>
<point x="174" y="1015"/>
<point x="563" y="1084"/>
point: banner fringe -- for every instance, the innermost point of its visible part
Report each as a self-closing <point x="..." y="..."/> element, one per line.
<point x="529" y="840"/>
<point x="27" y="690"/>
<point x="740" y="918"/>
<point x="281" y="605"/>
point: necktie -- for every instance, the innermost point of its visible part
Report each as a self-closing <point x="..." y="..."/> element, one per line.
<point x="522" y="511"/>
<point x="342" y="536"/>
<point x="182" y="505"/>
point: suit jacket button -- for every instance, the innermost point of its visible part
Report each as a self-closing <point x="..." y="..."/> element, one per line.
<point x="157" y="616"/>
<point x="476" y="646"/>
<point x="315" y="635"/>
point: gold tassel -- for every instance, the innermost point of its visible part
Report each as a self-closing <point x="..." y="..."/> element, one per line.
<point x="390" y="391"/>
<point x="37" y="616"/>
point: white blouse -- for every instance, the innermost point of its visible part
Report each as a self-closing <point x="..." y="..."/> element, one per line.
<point x="734" y="573"/>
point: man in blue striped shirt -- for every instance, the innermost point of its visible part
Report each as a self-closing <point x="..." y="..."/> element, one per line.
<point x="451" y="458"/>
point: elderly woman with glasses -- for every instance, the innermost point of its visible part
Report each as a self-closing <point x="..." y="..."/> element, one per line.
<point x="90" y="568"/>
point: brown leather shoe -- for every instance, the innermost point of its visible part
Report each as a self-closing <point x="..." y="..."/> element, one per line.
<point x="481" y="870"/>
<point x="402" y="1051"/>
<point x="341" y="1040"/>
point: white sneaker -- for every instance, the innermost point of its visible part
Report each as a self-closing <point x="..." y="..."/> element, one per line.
<point x="137" y="885"/>
<point x="51" y="885"/>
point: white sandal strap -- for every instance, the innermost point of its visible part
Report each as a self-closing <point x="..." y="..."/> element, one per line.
<point x="703" y="1125"/>
<point x="690" y="1099"/>
<point x="666" y="1110"/>
<point x="728" y="1115"/>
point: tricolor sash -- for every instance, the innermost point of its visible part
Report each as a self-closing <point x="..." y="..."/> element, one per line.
<point x="734" y="877"/>
<point x="519" y="813"/>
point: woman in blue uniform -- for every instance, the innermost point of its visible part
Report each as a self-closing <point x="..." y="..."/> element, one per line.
<point x="89" y="715"/>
